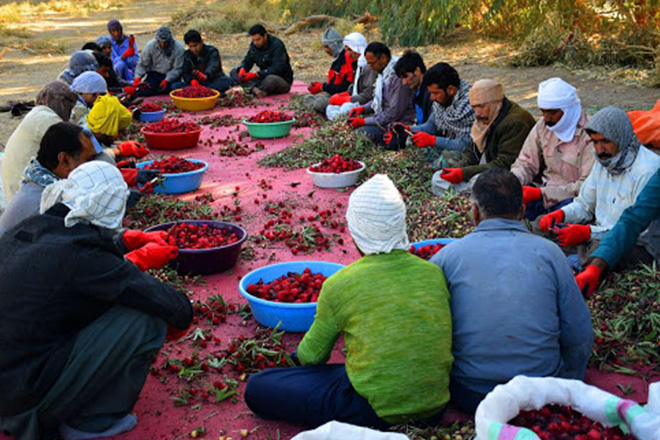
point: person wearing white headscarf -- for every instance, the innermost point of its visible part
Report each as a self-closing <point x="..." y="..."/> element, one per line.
<point x="88" y="86"/>
<point x="557" y="147"/>
<point x="387" y="305"/>
<point x="81" y="322"/>
<point x="362" y="89"/>
<point x="622" y="169"/>
<point x="340" y="75"/>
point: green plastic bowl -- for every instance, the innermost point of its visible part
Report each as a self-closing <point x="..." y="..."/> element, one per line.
<point x="269" y="130"/>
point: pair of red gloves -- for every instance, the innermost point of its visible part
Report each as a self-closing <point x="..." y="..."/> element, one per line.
<point x="419" y="139"/>
<point x="148" y="250"/>
<point x="131" y="48"/>
<point x="132" y="89"/>
<point x="315" y="88"/>
<point x="244" y="76"/>
<point x="132" y="149"/>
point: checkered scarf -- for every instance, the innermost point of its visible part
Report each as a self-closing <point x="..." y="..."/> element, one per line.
<point x="95" y="193"/>
<point x="456" y="120"/>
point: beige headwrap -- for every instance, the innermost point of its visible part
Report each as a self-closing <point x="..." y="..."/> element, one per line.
<point x="489" y="93"/>
<point x="376" y="217"/>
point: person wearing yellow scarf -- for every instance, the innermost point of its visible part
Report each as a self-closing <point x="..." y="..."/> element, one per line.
<point x="107" y="118"/>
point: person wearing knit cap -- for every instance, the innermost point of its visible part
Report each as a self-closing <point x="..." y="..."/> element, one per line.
<point x="515" y="307"/>
<point x="392" y="308"/>
<point x="274" y="75"/>
<point x="498" y="133"/>
<point x="160" y="65"/>
<point x="340" y="76"/>
<point x="88" y="86"/>
<point x="81" y="61"/>
<point x="105" y="44"/>
<point x="557" y="149"/>
<point x="622" y="168"/>
<point x="124" y="54"/>
<point x="78" y="342"/>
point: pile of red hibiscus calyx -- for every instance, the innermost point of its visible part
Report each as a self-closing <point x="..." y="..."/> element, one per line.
<point x="199" y="236"/>
<point x="336" y="164"/>
<point x="292" y="288"/>
<point x="269" y="116"/>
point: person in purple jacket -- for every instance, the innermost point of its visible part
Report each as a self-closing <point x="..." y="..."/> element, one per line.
<point x="125" y="54"/>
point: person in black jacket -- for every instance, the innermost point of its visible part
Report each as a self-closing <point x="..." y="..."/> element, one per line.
<point x="80" y="323"/>
<point x="201" y="62"/>
<point x="340" y="76"/>
<point x="269" y="54"/>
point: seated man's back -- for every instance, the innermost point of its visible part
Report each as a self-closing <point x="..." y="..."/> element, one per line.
<point x="515" y="306"/>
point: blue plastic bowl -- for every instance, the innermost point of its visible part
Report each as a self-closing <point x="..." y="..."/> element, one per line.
<point x="179" y="183"/>
<point x="291" y="317"/>
<point x="442" y="241"/>
<point x="152" y="116"/>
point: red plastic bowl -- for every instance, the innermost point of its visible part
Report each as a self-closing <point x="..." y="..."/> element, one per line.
<point x="171" y="141"/>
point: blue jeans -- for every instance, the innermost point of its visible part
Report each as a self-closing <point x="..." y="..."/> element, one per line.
<point x="536" y="208"/>
<point x="373" y="132"/>
<point x="154" y="79"/>
<point x="310" y="396"/>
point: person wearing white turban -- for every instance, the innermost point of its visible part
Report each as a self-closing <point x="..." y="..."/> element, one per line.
<point x="88" y="86"/>
<point x="81" y="322"/>
<point x="557" y="148"/>
<point x="393" y="309"/>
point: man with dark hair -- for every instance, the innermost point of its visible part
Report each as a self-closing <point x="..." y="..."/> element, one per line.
<point x="392" y="101"/>
<point x="268" y="52"/>
<point x="448" y="128"/>
<point x="498" y="133"/>
<point x="202" y="63"/>
<point x="411" y="69"/>
<point x="500" y="271"/>
<point x="63" y="148"/>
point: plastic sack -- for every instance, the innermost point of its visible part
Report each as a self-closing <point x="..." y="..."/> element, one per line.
<point x="334" y="111"/>
<point x="345" y="431"/>
<point x="529" y="393"/>
<point x="647" y="125"/>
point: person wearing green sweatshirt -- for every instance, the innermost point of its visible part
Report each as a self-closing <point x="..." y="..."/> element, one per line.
<point x="393" y="310"/>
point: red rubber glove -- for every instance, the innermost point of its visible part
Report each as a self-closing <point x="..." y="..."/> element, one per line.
<point x="131" y="41"/>
<point x="356" y="111"/>
<point x="125" y="164"/>
<point x="132" y="149"/>
<point x="423" y="140"/>
<point x="130" y="90"/>
<point x="241" y="74"/>
<point x="163" y="85"/>
<point x="387" y="137"/>
<point x="199" y="75"/>
<point x="572" y="235"/>
<point x="152" y="256"/>
<point x="452" y="175"/>
<point x="340" y="98"/>
<point x="356" y="122"/>
<point x="137" y="81"/>
<point x="531" y="194"/>
<point x="249" y="77"/>
<point x="174" y="334"/>
<point x="134" y="239"/>
<point x="548" y="221"/>
<point x="194" y="82"/>
<point x="128" y="53"/>
<point x="130" y="175"/>
<point x="588" y="280"/>
<point x="315" y="87"/>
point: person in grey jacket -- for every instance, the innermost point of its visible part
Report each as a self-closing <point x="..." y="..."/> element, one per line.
<point x="161" y="61"/>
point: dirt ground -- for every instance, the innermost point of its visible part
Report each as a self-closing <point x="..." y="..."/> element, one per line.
<point x="22" y="74"/>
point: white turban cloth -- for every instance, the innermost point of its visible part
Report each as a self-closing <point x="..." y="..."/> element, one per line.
<point x="89" y="82"/>
<point x="357" y="43"/>
<point x="376" y="217"/>
<point x="95" y="193"/>
<point x="556" y="93"/>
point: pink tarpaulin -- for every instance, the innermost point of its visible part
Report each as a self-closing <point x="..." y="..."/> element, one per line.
<point x="158" y="416"/>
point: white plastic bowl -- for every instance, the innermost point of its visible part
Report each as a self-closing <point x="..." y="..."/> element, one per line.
<point x="335" y="180"/>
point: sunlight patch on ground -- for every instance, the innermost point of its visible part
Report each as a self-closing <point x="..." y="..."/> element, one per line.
<point x="15" y="90"/>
